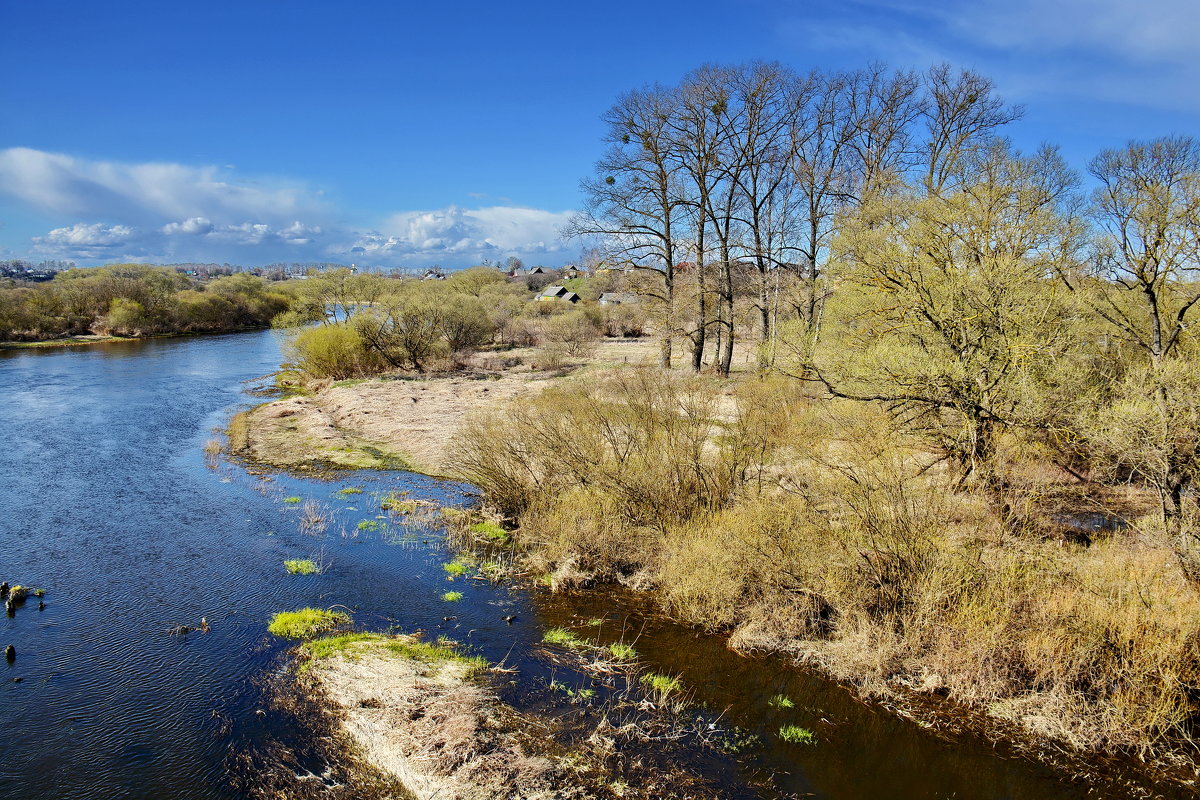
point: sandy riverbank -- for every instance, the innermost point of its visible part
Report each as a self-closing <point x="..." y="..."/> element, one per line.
<point x="432" y="719"/>
<point x="400" y="422"/>
<point x="431" y="726"/>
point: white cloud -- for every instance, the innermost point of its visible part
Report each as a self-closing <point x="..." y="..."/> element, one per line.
<point x="1141" y="54"/>
<point x="134" y="193"/>
<point x="1157" y="31"/>
<point x="94" y="235"/>
<point x="193" y="226"/>
<point x="177" y="212"/>
<point x="95" y="240"/>
<point x="459" y="232"/>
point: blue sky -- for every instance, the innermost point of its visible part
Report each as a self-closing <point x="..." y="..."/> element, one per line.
<point x="412" y="134"/>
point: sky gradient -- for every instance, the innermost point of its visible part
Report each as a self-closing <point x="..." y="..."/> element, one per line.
<point x="398" y="134"/>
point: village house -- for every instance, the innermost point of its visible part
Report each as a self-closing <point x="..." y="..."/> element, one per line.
<point x="557" y="293"/>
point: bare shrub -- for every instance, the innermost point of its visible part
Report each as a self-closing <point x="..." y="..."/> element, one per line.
<point x="574" y="332"/>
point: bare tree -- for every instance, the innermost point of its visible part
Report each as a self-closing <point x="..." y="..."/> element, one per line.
<point x="634" y="201"/>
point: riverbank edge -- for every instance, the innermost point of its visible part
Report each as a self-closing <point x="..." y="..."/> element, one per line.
<point x="90" y="339"/>
<point x="431" y="719"/>
<point x="930" y="711"/>
<point x="258" y="440"/>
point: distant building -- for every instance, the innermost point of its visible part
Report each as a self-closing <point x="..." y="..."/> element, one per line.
<point x="557" y="293"/>
<point x="521" y="272"/>
<point x="618" y="298"/>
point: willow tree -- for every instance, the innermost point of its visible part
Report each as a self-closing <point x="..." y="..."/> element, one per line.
<point x="947" y="305"/>
<point x="1147" y="211"/>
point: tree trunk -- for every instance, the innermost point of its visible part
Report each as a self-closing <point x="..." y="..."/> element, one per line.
<point x="726" y="362"/>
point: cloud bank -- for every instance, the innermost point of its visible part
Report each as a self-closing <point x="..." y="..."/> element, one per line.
<point x="104" y="210"/>
<point x="1141" y="54"/>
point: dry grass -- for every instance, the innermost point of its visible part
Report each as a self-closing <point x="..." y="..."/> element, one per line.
<point x="402" y="421"/>
<point x="838" y="540"/>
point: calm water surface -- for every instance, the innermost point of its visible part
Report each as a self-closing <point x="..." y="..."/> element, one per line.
<point x="107" y="502"/>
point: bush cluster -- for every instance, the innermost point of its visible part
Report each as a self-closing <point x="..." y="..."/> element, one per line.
<point x="137" y="300"/>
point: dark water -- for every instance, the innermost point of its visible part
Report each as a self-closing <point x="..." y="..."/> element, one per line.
<point x="107" y="502"/>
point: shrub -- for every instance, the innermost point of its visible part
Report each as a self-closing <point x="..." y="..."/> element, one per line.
<point x="575" y="332"/>
<point x="334" y="351"/>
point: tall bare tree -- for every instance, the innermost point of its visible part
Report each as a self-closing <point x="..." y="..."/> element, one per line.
<point x="634" y="201"/>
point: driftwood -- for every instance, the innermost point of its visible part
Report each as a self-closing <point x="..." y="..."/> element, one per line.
<point x="184" y="630"/>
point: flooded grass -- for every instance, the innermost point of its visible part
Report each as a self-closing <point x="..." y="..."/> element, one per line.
<point x="794" y="734"/>
<point x="562" y="637"/>
<point x="781" y="701"/>
<point x="662" y="687"/>
<point x="301" y="566"/>
<point x="452" y="597"/>
<point x="305" y="623"/>
<point x="622" y="652"/>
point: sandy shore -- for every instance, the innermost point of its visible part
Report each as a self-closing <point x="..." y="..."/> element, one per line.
<point x="403" y="422"/>
<point x="438" y="731"/>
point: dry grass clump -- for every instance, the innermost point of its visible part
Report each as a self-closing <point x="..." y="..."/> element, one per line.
<point x="598" y="472"/>
<point x="823" y="530"/>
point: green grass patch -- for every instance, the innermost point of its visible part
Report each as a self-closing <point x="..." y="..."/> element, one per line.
<point x="369" y="525"/>
<point x="328" y="646"/>
<point x="455" y="569"/>
<point x="293" y="500"/>
<point x="662" y="685"/>
<point x="452" y="597"/>
<point x="490" y="530"/>
<point x="563" y="638"/>
<point x="301" y="566"/>
<point x="622" y="652"/>
<point x="781" y="701"/>
<point x="349" y="490"/>
<point x="794" y="734"/>
<point x="306" y="622"/>
<point x="425" y="652"/>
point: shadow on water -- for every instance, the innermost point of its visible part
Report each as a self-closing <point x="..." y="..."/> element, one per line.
<point x="108" y="504"/>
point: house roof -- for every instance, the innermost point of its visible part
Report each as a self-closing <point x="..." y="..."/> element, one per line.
<point x="558" y="293"/>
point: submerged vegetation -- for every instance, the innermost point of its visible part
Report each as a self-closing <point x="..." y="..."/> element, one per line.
<point x="794" y="734"/>
<point x="301" y="566"/>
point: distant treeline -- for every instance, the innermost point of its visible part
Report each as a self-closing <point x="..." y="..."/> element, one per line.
<point x="137" y="300"/>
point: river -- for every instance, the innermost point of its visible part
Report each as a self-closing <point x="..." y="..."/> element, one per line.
<point x="108" y="503"/>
